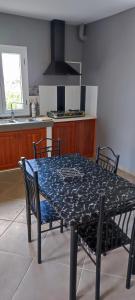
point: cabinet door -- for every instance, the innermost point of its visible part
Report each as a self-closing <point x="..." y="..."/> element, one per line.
<point x="85" y="137"/>
<point x="27" y="137"/>
<point x="65" y="131"/>
<point x="9" y="150"/>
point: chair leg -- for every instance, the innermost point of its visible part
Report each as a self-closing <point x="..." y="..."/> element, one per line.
<point x="39" y="242"/>
<point x="129" y="271"/>
<point x="65" y="225"/>
<point x="131" y="259"/>
<point x="133" y="264"/>
<point x="50" y="225"/>
<point x="98" y="251"/>
<point x="131" y="267"/>
<point x="61" y="226"/>
<point x="73" y="262"/>
<point x="28" y="213"/>
<point x="98" y="268"/>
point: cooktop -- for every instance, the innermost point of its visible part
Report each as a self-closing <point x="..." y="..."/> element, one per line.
<point x="65" y="114"/>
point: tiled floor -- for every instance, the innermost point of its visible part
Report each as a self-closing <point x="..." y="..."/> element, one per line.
<point x="20" y="275"/>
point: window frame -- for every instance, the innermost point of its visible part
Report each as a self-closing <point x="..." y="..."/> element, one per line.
<point x="22" y="51"/>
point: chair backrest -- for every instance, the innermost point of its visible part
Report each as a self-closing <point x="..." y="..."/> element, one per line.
<point x="107" y="159"/>
<point x="31" y="187"/>
<point x="116" y="225"/>
<point x="47" y="147"/>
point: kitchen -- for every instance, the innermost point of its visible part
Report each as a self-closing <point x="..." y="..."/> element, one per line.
<point x="67" y="101"/>
<point x="69" y="88"/>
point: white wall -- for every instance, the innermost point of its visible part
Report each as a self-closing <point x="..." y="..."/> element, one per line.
<point x="109" y="62"/>
<point x="91" y="100"/>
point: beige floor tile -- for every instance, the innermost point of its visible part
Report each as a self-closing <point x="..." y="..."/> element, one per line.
<point x="127" y="176"/>
<point x="112" y="288"/>
<point x="48" y="281"/>
<point x="114" y="263"/>
<point x="21" y="218"/>
<point x="14" y="240"/>
<point x="10" y="209"/>
<point x="12" y="270"/>
<point x="11" y="185"/>
<point x="4" y="224"/>
<point x="57" y="248"/>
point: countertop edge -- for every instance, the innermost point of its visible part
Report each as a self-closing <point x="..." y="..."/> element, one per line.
<point x="48" y="122"/>
<point x="87" y="117"/>
<point x="23" y="126"/>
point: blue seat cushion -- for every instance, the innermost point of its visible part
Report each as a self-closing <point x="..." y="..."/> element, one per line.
<point x="48" y="214"/>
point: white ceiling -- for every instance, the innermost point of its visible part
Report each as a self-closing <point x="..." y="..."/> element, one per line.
<point x="72" y="11"/>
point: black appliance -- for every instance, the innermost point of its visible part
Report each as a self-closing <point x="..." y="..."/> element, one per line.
<point x="65" y="114"/>
<point x="58" y="66"/>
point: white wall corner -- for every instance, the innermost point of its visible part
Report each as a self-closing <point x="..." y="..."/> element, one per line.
<point x="91" y="100"/>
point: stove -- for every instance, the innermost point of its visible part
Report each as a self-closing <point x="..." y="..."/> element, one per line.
<point x="65" y="114"/>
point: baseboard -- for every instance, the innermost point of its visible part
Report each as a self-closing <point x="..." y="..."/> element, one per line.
<point x="10" y="170"/>
<point x="122" y="169"/>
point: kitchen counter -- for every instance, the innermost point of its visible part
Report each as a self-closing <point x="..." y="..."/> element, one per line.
<point x="16" y="138"/>
<point x="87" y="117"/>
<point x="40" y="122"/>
<point x="24" y="123"/>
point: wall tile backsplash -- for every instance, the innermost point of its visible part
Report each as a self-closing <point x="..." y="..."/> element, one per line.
<point x="68" y="97"/>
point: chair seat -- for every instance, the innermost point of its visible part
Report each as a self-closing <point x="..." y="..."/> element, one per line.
<point x="112" y="236"/>
<point x="48" y="214"/>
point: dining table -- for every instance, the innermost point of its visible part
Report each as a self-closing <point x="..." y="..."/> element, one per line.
<point x="74" y="185"/>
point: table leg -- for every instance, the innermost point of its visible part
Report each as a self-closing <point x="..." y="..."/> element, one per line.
<point x="73" y="262"/>
<point x="133" y="258"/>
<point x="133" y="253"/>
<point x="133" y="266"/>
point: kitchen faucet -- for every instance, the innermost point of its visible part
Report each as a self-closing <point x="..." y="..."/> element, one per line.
<point x="12" y="112"/>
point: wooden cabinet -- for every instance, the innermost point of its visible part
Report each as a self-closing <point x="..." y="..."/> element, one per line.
<point x="85" y="137"/>
<point x="66" y="132"/>
<point x="14" y="144"/>
<point x="27" y="137"/>
<point x="76" y="136"/>
<point x="9" y="150"/>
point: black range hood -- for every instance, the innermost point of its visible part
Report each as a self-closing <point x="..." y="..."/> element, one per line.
<point x="58" y="66"/>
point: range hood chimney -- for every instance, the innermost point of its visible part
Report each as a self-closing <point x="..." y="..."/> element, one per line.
<point x="58" y="66"/>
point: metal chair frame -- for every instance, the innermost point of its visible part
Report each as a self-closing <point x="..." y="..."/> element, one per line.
<point x="108" y="162"/>
<point x="42" y="150"/>
<point x="112" y="229"/>
<point x="33" y="204"/>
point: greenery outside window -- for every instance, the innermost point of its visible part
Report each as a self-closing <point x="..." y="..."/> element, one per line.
<point x="13" y="80"/>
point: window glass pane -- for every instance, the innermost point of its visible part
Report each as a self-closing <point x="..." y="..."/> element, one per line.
<point x="11" y="63"/>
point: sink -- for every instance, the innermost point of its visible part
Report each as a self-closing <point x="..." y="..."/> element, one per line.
<point x="11" y="121"/>
<point x="6" y="121"/>
<point x="23" y="120"/>
<point x="16" y="121"/>
<point x="19" y="121"/>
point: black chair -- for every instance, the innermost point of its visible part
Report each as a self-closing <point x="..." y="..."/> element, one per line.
<point x="110" y="231"/>
<point x="107" y="159"/>
<point x="40" y="208"/>
<point x="47" y="147"/>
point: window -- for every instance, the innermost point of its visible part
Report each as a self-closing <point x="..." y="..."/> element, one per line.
<point x="13" y="80"/>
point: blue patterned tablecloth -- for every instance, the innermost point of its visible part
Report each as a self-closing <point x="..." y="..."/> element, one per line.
<point x="74" y="185"/>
